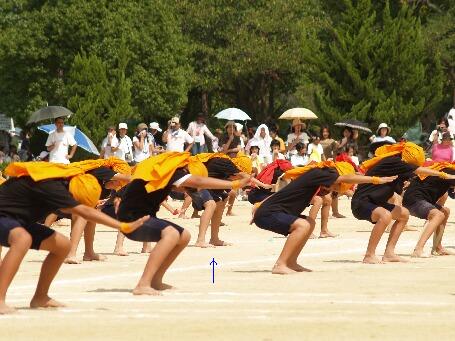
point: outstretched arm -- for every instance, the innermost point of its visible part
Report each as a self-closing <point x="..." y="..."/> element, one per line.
<point x="362" y="179"/>
<point x="195" y="181"/>
<point x="432" y="172"/>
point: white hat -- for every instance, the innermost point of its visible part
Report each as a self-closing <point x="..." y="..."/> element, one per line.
<point x="230" y="123"/>
<point x="175" y="119"/>
<point x="383" y="125"/>
<point x="239" y="126"/>
<point x="43" y="155"/>
<point x="156" y="126"/>
<point x="122" y="126"/>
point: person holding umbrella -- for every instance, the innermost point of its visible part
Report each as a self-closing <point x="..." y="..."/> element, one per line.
<point x="58" y="143"/>
<point x="298" y="135"/>
<point x="230" y="141"/>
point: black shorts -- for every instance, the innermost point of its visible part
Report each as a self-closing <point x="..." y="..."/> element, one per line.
<point x="109" y="210"/>
<point x="200" y="198"/>
<point x="218" y="194"/>
<point x="362" y="210"/>
<point x="150" y="231"/>
<point x="278" y="222"/>
<point x="421" y="208"/>
<point x="37" y="231"/>
<point x="177" y="195"/>
<point x="256" y="195"/>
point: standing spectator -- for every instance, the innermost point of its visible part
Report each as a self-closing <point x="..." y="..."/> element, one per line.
<point x="383" y="132"/>
<point x="175" y="138"/>
<point x="262" y="139"/>
<point x="198" y="131"/>
<point x="443" y="151"/>
<point x="298" y="135"/>
<point x="301" y="158"/>
<point x="230" y="141"/>
<point x="25" y="152"/>
<point x="274" y="136"/>
<point x="243" y="138"/>
<point x="141" y="143"/>
<point x="315" y="150"/>
<point x="58" y="143"/>
<point x="124" y="150"/>
<point x="110" y="144"/>
<point x="442" y="127"/>
<point x="155" y="148"/>
<point x="347" y="140"/>
<point x="328" y="144"/>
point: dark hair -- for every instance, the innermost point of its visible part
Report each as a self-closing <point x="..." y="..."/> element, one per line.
<point x="275" y="143"/>
<point x="59" y="118"/>
<point x="444" y="120"/>
<point x="273" y="130"/>
<point x="328" y="129"/>
<point x="299" y="146"/>
<point x="255" y="147"/>
<point x="315" y="136"/>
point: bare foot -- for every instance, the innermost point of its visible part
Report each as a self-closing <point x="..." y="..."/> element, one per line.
<point x="203" y="244"/>
<point x="393" y="259"/>
<point x="145" y="291"/>
<point x="282" y="270"/>
<point x="162" y="286"/>
<point x="71" y="260"/>
<point x="372" y="260"/>
<point x="6" y="309"/>
<point x="120" y="252"/>
<point x="94" y="257"/>
<point x="299" y="268"/>
<point x="45" y="302"/>
<point x="419" y="254"/>
<point x="338" y="215"/>
<point x="313" y="236"/>
<point x="147" y="250"/>
<point x="443" y="252"/>
<point x="327" y="235"/>
<point x="219" y="243"/>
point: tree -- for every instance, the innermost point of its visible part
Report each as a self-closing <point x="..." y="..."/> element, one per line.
<point x="375" y="68"/>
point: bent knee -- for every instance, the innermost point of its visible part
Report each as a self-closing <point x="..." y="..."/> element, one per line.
<point x="446" y="211"/>
<point x="20" y="237"/>
<point x="210" y="204"/>
<point x="382" y="215"/>
<point x="185" y="237"/>
<point x="170" y="232"/>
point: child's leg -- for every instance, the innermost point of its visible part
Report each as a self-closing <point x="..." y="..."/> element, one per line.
<point x="170" y="237"/>
<point x="382" y="217"/>
<point x="146" y="247"/>
<point x="0" y="255"/>
<point x="118" y="250"/>
<point x="58" y="246"/>
<point x="89" y="239"/>
<point x="77" y="228"/>
<point x="20" y="241"/>
<point x="50" y="219"/>
<point x="293" y="259"/>
<point x="325" y="212"/>
<point x="335" y="212"/>
<point x="157" y="281"/>
<point x="215" y="226"/>
<point x="300" y="231"/>
<point x="230" y="204"/>
<point x="438" y="249"/>
<point x="435" y="219"/>
<point x="316" y="203"/>
<point x="186" y="203"/>
<point x="209" y="209"/>
<point x="401" y="216"/>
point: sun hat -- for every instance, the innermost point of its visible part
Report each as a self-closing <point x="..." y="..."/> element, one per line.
<point x="383" y="125"/>
<point x="156" y="126"/>
<point x="122" y="126"/>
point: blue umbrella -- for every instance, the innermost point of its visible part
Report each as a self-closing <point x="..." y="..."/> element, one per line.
<point x="81" y="139"/>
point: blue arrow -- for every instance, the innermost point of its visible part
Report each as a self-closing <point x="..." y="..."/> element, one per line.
<point x="213" y="263"/>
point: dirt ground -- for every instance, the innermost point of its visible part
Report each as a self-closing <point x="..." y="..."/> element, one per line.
<point x="342" y="298"/>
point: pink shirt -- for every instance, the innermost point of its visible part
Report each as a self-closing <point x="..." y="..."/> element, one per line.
<point x="442" y="152"/>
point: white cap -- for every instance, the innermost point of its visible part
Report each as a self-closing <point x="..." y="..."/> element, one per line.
<point x="122" y="126"/>
<point x="239" y="126"/>
<point x="155" y="125"/>
<point x="383" y="125"/>
<point x="43" y="155"/>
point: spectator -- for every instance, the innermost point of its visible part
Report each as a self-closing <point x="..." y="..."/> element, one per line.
<point x="110" y="144"/>
<point x="442" y="127"/>
<point x="124" y="150"/>
<point x="141" y="143"/>
<point x="451" y="120"/>
<point x="383" y="132"/>
<point x="216" y="141"/>
<point x="347" y="141"/>
<point x="155" y="148"/>
<point x="175" y="138"/>
<point x="230" y="141"/>
<point x="257" y="160"/>
<point x="274" y="136"/>
<point x="198" y="131"/>
<point x="301" y="158"/>
<point x="298" y="135"/>
<point x="25" y="152"/>
<point x="443" y="151"/>
<point x="243" y="138"/>
<point x="262" y="139"/>
<point x="352" y="153"/>
<point x="276" y="155"/>
<point x="58" y="143"/>
<point x="329" y="145"/>
<point x="315" y="150"/>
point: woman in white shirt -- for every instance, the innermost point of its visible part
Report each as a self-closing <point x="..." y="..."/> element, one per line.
<point x="298" y="135"/>
<point x="262" y="139"/>
<point x="197" y="130"/>
<point x="141" y="143"/>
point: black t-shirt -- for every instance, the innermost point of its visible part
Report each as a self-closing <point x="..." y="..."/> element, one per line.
<point x="28" y="201"/>
<point x="221" y="168"/>
<point x="296" y="196"/>
<point x="136" y="202"/>
<point x="430" y="189"/>
<point x="389" y="166"/>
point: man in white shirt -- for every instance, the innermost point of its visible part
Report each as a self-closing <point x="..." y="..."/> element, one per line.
<point x="124" y="151"/>
<point x="110" y="144"/>
<point x="175" y="138"/>
<point x="58" y="143"/>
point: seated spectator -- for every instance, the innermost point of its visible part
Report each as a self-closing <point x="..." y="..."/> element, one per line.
<point x="274" y="136"/>
<point x="315" y="150"/>
<point x="276" y="155"/>
<point x="262" y="139"/>
<point x="301" y="158"/>
<point x="352" y="153"/>
<point x="382" y="132"/>
<point x="257" y="160"/>
<point x="443" y="151"/>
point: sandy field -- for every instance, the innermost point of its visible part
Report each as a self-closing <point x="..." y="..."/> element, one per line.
<point x="342" y="299"/>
